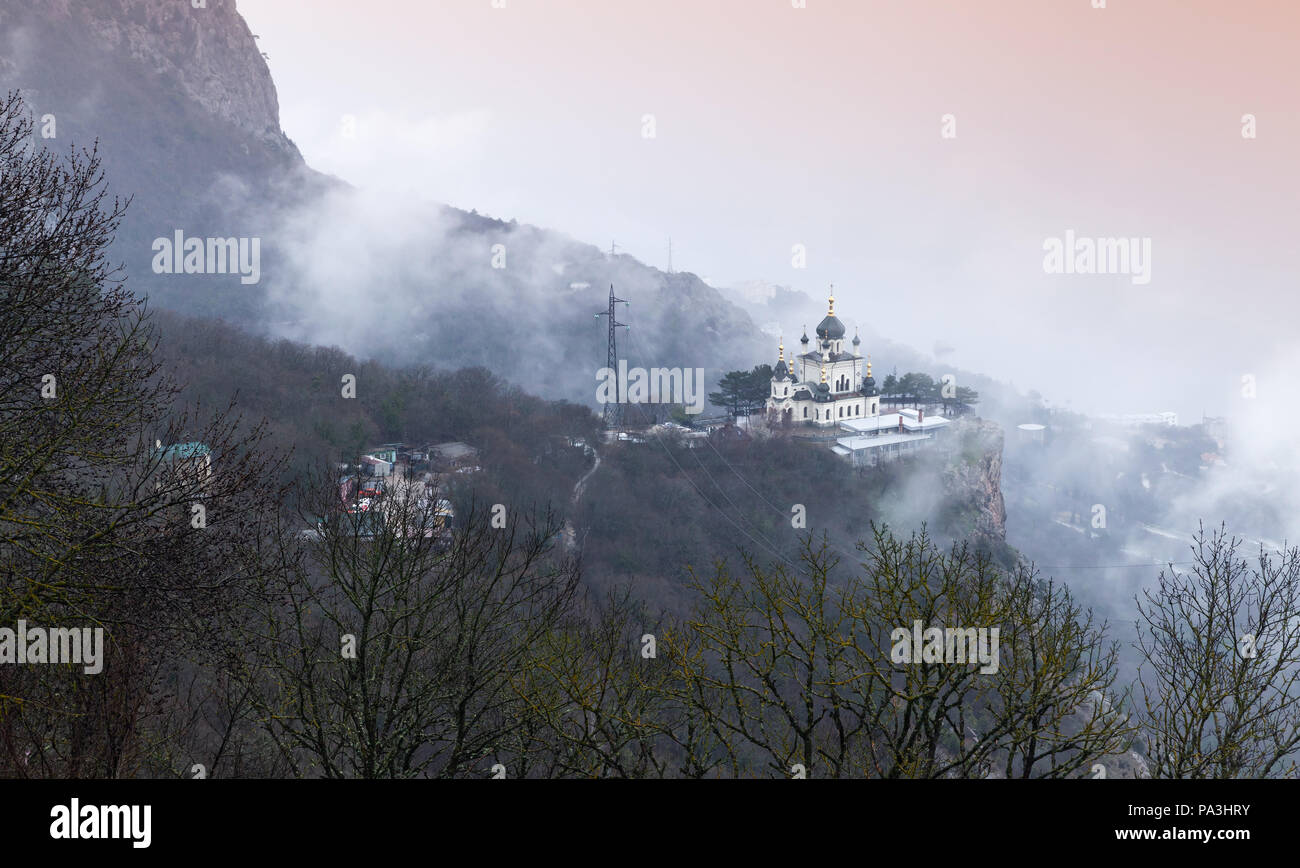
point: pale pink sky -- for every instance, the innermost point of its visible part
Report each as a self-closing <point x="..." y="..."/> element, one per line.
<point x="821" y="126"/>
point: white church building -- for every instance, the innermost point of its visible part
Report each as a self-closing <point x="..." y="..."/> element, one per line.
<point x="824" y="386"/>
<point x="830" y="387"/>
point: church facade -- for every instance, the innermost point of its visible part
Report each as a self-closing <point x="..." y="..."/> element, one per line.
<point x="827" y="383"/>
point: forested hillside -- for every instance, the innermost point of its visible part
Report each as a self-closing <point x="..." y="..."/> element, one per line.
<point x="652" y="509"/>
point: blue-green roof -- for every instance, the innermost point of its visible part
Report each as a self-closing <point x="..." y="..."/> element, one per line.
<point x="185" y="450"/>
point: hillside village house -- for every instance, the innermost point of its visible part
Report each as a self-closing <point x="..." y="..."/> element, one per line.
<point x="187" y="462"/>
<point x="454" y="456"/>
<point x="373" y="465"/>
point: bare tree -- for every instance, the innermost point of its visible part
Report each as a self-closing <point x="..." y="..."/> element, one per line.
<point x="102" y="523"/>
<point x="798" y="673"/>
<point x="388" y="645"/>
<point x="1220" y="647"/>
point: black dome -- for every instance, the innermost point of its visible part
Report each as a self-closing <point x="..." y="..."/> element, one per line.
<point x="830" y="328"/>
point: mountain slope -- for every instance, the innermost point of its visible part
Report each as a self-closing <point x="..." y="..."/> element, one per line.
<point x="187" y="119"/>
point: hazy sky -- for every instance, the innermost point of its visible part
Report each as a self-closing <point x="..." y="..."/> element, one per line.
<point x="821" y="126"/>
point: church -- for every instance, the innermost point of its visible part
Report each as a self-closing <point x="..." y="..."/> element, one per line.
<point x="824" y="385"/>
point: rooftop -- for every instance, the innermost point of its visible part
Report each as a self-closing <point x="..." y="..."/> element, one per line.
<point x="889" y="421"/>
<point x="834" y="357"/>
<point x="185" y="450"/>
<point x="856" y="444"/>
<point x="453" y="450"/>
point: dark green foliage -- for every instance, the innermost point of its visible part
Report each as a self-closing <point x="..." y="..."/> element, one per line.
<point x="742" y="392"/>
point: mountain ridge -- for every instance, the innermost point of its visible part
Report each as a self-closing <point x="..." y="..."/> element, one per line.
<point x="191" y="132"/>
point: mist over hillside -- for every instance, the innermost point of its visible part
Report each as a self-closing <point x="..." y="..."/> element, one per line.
<point x="187" y="119"/>
<point x="311" y="465"/>
<point x="183" y="106"/>
<point x="408" y="281"/>
<point x="186" y="116"/>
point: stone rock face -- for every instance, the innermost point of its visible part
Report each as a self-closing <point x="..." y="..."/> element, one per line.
<point x="180" y="106"/>
<point x="208" y="53"/>
<point x="973" y="477"/>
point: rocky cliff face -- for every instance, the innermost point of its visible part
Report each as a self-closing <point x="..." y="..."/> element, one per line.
<point x="181" y="107"/>
<point x="973" y="479"/>
<point x="207" y="54"/>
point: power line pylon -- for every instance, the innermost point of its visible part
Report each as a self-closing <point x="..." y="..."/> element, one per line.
<point x="613" y="411"/>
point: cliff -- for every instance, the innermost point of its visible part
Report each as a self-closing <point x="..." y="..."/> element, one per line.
<point x="208" y="54"/>
<point x="182" y="109"/>
<point x="972" y="481"/>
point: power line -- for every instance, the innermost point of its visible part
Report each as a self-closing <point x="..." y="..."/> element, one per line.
<point x="760" y="541"/>
<point x="1114" y="566"/>
<point x="774" y="507"/>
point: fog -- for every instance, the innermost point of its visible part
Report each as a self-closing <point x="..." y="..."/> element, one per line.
<point x="822" y="127"/>
<point x="804" y="148"/>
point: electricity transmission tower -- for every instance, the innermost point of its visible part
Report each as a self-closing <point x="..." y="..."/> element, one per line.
<point x="613" y="411"/>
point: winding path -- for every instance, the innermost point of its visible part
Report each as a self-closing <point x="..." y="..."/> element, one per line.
<point x="570" y="535"/>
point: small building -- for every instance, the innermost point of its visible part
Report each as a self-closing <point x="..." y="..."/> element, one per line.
<point x="1166" y="419"/>
<point x="454" y="455"/>
<point x="870" y="450"/>
<point x="189" y="462"/>
<point x="387" y="452"/>
<point x="373" y="465"/>
<point x="904" y="421"/>
<point x="443" y="515"/>
<point x="876" y="439"/>
<point x="1030" y="432"/>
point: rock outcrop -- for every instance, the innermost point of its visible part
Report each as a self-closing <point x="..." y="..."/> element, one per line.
<point x="972" y="480"/>
<point x="208" y="54"/>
